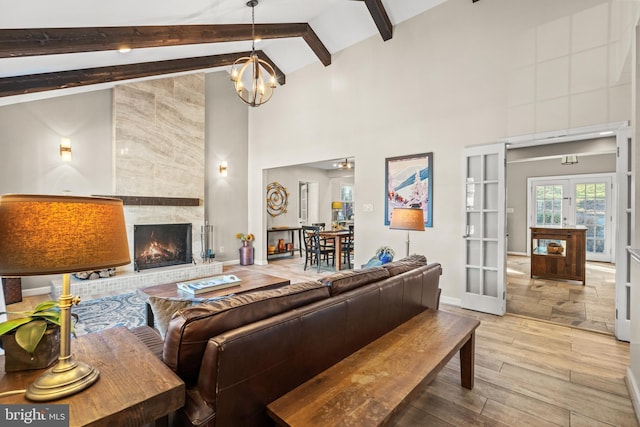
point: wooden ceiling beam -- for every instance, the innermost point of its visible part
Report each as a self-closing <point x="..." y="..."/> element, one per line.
<point x="51" y="41"/>
<point x="20" y="85"/>
<point x="380" y="18"/>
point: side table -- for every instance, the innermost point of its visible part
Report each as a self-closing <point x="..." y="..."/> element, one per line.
<point x="134" y="388"/>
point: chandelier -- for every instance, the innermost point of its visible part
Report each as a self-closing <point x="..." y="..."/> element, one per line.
<point x="253" y="78"/>
<point x="345" y="165"/>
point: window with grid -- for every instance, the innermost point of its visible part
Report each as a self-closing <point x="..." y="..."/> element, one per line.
<point x="548" y="205"/>
<point x="591" y="211"/>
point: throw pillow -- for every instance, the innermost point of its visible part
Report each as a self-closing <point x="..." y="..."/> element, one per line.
<point x="163" y="310"/>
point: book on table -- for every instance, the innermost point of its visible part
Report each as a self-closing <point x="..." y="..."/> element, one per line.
<point x="208" y="284"/>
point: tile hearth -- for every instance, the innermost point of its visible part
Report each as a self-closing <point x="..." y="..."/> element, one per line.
<point x="130" y="281"/>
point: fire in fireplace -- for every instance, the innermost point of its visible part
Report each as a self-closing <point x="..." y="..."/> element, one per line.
<point x="161" y="245"/>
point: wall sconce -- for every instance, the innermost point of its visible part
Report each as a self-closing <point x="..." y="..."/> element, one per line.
<point x="569" y="160"/>
<point x="223" y="168"/>
<point x="65" y="149"/>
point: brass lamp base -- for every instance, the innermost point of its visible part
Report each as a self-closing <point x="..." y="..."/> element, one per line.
<point x="60" y="381"/>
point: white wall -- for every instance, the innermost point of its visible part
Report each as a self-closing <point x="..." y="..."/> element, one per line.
<point x="289" y="177"/>
<point x="30" y="155"/>
<point x="226" y="136"/>
<point x="458" y="75"/>
<point x="30" y="145"/>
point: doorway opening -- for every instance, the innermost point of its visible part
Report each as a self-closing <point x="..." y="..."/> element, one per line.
<point x="544" y="191"/>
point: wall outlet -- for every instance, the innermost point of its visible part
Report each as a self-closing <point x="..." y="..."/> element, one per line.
<point x="367" y="207"/>
<point x="221" y="249"/>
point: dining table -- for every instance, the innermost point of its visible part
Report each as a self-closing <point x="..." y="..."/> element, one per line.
<point x="338" y="236"/>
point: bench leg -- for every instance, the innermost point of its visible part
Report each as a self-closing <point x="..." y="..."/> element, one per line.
<point x="467" y="362"/>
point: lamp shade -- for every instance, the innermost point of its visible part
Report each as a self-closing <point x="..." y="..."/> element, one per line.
<point x="407" y="219"/>
<point x="336" y="205"/>
<point x="42" y="234"/>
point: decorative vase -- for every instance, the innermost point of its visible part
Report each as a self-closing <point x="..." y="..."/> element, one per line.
<point x="246" y="254"/>
<point x="17" y="359"/>
<point x="280" y="245"/>
<point x="385" y="257"/>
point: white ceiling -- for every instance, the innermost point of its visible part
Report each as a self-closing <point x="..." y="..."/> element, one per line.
<point x="338" y="24"/>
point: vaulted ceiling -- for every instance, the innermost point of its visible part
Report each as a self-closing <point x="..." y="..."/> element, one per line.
<point x="72" y="45"/>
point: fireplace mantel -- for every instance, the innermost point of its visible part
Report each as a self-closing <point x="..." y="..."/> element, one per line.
<point x="156" y="201"/>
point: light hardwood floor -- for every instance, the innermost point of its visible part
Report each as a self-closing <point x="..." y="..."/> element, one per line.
<point x="528" y="373"/>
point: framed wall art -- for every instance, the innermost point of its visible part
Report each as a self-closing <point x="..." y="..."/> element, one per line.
<point x="409" y="183"/>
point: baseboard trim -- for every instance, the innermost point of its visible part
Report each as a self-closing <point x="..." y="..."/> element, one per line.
<point x="517" y="253"/>
<point x="634" y="392"/>
<point x="450" y="301"/>
<point x="36" y="291"/>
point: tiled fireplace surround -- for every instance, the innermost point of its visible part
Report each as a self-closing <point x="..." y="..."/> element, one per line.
<point x="158" y="151"/>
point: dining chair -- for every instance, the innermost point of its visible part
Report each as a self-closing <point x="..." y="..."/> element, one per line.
<point x="323" y="240"/>
<point x="314" y="249"/>
<point x="347" y="247"/>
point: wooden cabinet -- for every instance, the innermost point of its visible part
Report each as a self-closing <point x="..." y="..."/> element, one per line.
<point x="558" y="253"/>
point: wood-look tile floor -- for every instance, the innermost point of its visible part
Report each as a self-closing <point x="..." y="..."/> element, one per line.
<point x="591" y="306"/>
<point x="530" y="373"/>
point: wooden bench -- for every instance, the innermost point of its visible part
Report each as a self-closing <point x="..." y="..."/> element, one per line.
<point x="372" y="385"/>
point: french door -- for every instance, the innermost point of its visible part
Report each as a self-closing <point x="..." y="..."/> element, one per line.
<point x="584" y="200"/>
<point x="485" y="229"/>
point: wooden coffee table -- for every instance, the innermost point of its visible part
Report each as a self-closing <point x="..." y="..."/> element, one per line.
<point x="250" y="280"/>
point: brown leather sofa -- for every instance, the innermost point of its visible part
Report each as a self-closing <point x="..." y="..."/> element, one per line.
<point x="238" y="354"/>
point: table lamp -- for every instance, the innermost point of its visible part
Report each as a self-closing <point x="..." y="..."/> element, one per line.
<point x="42" y="234"/>
<point x="407" y="219"/>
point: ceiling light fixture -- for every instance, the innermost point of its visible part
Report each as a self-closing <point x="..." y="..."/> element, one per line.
<point x="345" y="165"/>
<point x="253" y="78"/>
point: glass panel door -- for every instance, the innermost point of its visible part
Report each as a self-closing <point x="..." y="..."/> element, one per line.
<point x="485" y="229"/>
<point x="548" y="204"/>
<point x="592" y="210"/>
<point x="583" y="200"/>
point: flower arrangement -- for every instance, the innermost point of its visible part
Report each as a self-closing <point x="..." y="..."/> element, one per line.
<point x="245" y="237"/>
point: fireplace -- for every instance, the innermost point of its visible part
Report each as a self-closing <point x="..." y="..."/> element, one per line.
<point x="161" y="245"/>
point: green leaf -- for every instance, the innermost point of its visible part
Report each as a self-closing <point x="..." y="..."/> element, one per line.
<point x="10" y="325"/>
<point x="28" y="336"/>
<point x="46" y="305"/>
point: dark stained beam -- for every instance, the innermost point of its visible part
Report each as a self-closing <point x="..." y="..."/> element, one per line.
<point x="51" y="41"/>
<point x="380" y="18"/>
<point x="20" y="85"/>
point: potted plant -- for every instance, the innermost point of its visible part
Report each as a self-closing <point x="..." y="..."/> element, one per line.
<point x="385" y="254"/>
<point x="31" y="339"/>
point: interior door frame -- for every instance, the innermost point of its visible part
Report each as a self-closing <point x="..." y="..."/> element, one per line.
<point x="623" y="133"/>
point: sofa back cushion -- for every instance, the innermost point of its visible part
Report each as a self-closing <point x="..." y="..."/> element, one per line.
<point x="405" y="264"/>
<point x="350" y="279"/>
<point x="190" y="328"/>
